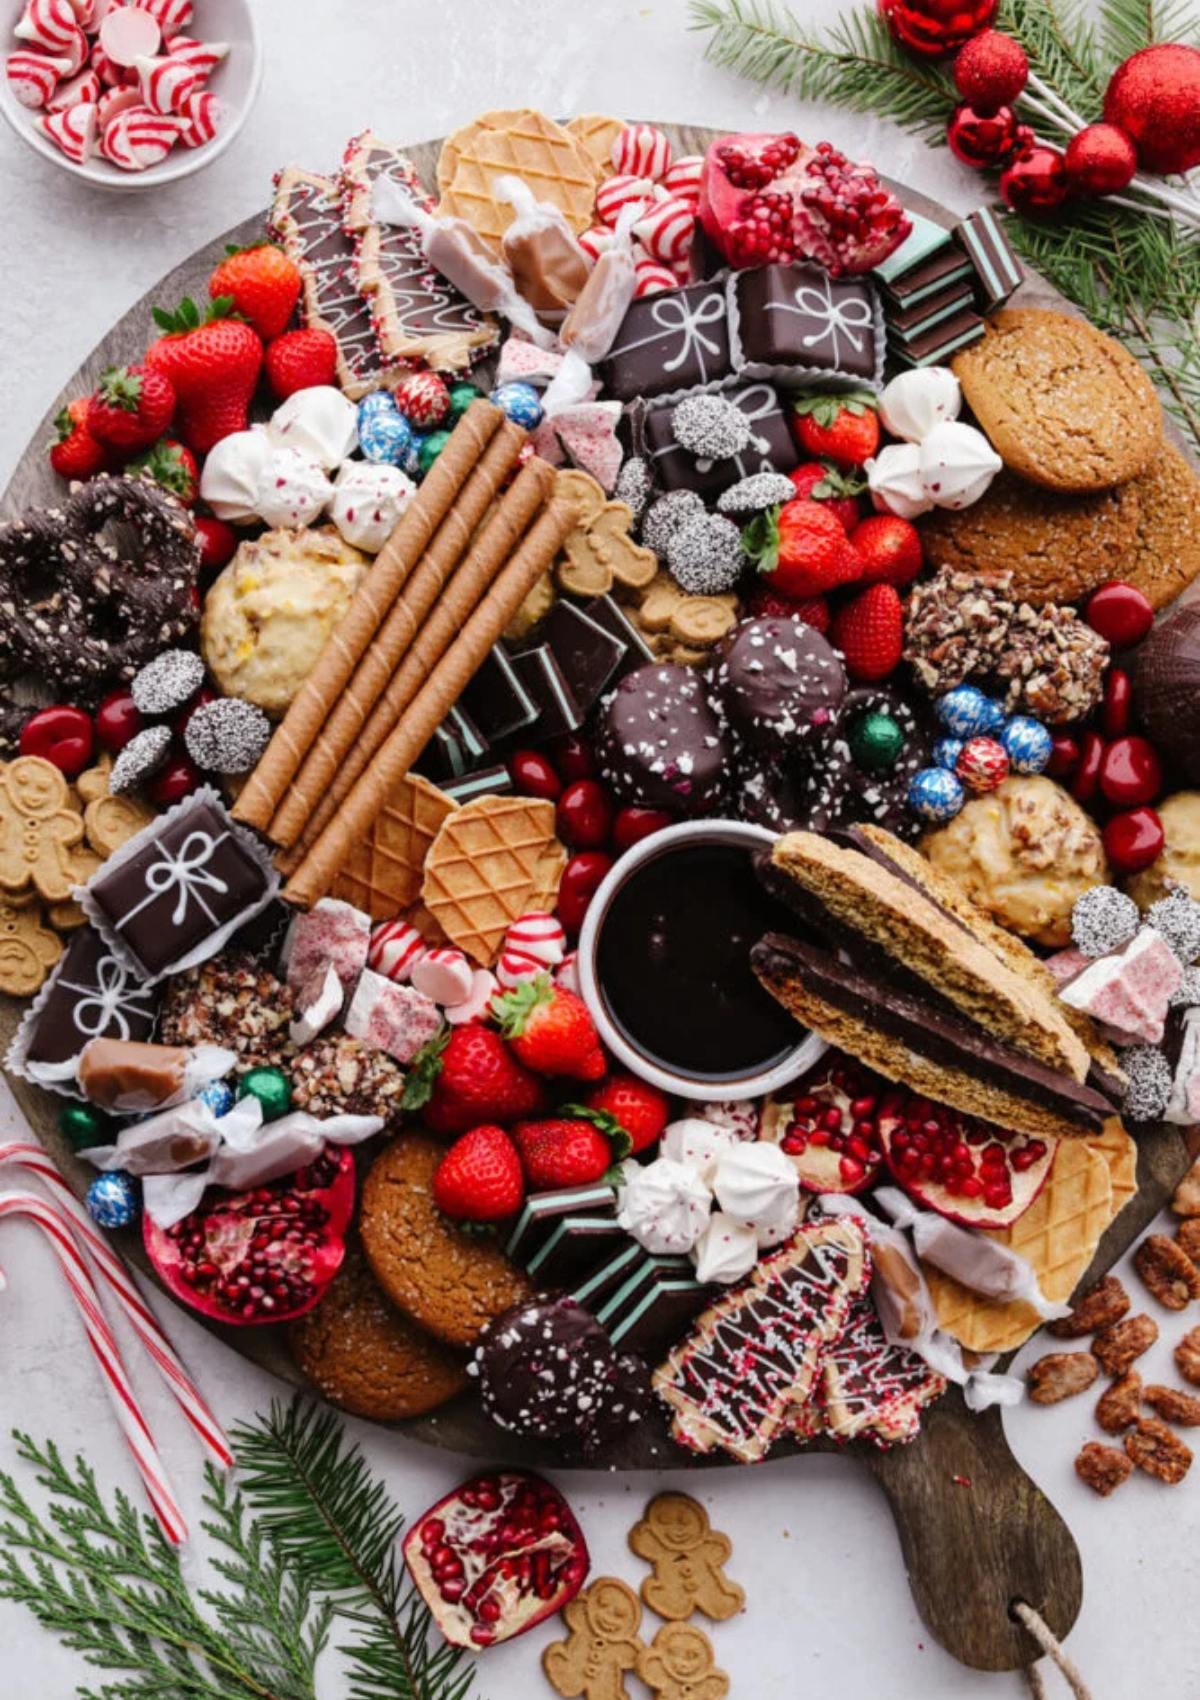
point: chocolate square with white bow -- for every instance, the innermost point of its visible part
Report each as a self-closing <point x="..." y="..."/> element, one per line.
<point x="796" y="323"/>
<point x="673" y="341"/>
<point x="769" y="447"/>
<point x="91" y="994"/>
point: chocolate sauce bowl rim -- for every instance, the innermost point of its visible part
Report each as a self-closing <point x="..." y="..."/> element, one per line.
<point x="742" y="835"/>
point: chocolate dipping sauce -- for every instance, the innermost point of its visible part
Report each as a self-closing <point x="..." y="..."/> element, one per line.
<point x="673" y="964"/>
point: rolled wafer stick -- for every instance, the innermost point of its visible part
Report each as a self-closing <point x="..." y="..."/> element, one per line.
<point x="390" y="644"/>
<point x="313" y="878"/>
<point x="496" y="542"/>
<point x="348" y="641"/>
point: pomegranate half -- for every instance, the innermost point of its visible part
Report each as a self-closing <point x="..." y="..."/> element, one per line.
<point x="497" y="1556"/>
<point x="965" y="1169"/>
<point x="828" y="1124"/>
<point x="266" y="1255"/>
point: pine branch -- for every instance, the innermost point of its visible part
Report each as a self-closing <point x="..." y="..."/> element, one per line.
<point x="1126" y="26"/>
<point x="335" y="1523"/>
<point x="1062" y="49"/>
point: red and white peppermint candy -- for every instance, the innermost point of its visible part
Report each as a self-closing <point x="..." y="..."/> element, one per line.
<point x="395" y="947"/>
<point x="171" y="16"/>
<point x="73" y="132"/>
<point x="204" y="55"/>
<point x="595" y="241"/>
<point x="50" y="25"/>
<point x="112" y="75"/>
<point x="683" y="178"/>
<point x="642" y="151"/>
<point x="423" y="399"/>
<point x="114" y="102"/>
<point x="540" y="935"/>
<point x="478" y="1005"/>
<point x="516" y="966"/>
<point x="650" y="277"/>
<point x="619" y="192"/>
<point x="201" y="116"/>
<point x="33" y="77"/>
<point x="566" y="974"/>
<point x="78" y="91"/>
<point x="444" y="975"/>
<point x="138" y="138"/>
<point x="666" y="229"/>
<point x="167" y="84"/>
<point x="129" y="34"/>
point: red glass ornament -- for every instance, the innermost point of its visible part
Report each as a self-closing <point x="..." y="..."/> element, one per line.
<point x="934" y="28"/>
<point x="1130" y="772"/>
<point x="1155" y="96"/>
<point x="1118" y="702"/>
<point x="982" y="139"/>
<point x="1035" y="182"/>
<point x="991" y="71"/>
<point x="1119" y="612"/>
<point x="61" y="735"/>
<point x="117" y="721"/>
<point x="1100" y="160"/>
<point x="1133" y="840"/>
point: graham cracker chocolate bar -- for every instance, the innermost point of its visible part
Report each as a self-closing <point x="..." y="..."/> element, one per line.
<point x="307" y="219"/>
<point x="418" y="314"/>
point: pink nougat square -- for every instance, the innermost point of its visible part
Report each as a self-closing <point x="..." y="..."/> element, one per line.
<point x="330" y="934"/>
<point x="1130" y="991"/>
<point x="393" y="1018"/>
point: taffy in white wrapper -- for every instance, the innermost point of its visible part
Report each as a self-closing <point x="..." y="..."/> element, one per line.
<point x="129" y="1077"/>
<point x="547" y="265"/>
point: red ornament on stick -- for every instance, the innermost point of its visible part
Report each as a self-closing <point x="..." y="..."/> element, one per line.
<point x="982" y="139"/>
<point x="1035" y="182"/>
<point x="991" y="71"/>
<point x="935" y="28"/>
<point x="1100" y="160"/>
<point x="1155" y="96"/>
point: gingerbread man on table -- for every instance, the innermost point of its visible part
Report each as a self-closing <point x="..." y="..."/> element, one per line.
<point x="603" y="1644"/>
<point x="687" y="1554"/>
<point x="678" y="1665"/>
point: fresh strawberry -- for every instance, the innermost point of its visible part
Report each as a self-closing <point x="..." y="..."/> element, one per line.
<point x="218" y="543"/>
<point x="172" y="465"/>
<point x="214" y="366"/>
<point x="642" y="1110"/>
<point x="801" y="548"/>
<point x="263" y="283"/>
<point x="76" y="453"/>
<point x="890" y="548"/>
<point x="869" y="631"/>
<point x="299" y="359"/>
<point x="132" y="406"/>
<point x="469" y="1078"/>
<point x="812" y="610"/>
<point x="837" y="489"/>
<point x="479" y="1179"/>
<point x="573" y="1149"/>
<point x="550" y="1029"/>
<point x="842" y="428"/>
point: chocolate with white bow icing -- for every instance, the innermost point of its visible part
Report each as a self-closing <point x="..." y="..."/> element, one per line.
<point x="670" y="342"/>
<point x="92" y="994"/>
<point x="796" y="322"/>
<point x="771" y="448"/>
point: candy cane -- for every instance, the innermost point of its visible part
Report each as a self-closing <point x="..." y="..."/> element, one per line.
<point x="34" y="1161"/>
<point x="108" y="1355"/>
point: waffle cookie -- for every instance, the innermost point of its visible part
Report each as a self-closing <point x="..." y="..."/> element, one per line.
<point x="491" y="862"/>
<point x="524" y="144"/>
<point x="596" y="134"/>
<point x="384" y="874"/>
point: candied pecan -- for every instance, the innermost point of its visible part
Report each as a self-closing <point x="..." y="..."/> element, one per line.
<point x="1187" y="1235"/>
<point x="1186" y="1200"/>
<point x="1121" y="1342"/>
<point x="1103" y="1467"/>
<point x="1059" y="1375"/>
<point x="1187" y="1357"/>
<point x="955" y="626"/>
<point x="1160" y="1453"/>
<point x="1174" y="1405"/>
<point x="1052" y="662"/>
<point x="1104" y="1302"/>
<point x="1117" y="1408"/>
<point x="1168" y="1271"/>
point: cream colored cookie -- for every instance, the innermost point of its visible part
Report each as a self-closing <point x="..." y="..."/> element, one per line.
<point x="1179" y="861"/>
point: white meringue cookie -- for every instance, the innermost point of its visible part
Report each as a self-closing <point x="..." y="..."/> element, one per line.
<point x="957" y="464"/>
<point x="758" y="1185"/>
<point x="229" y="482"/>
<point x="725" y="1251"/>
<point x="913" y="403"/>
<point x="664" y="1205"/>
<point x="320" y="422"/>
<point x="367" y="502"/>
<point x="697" y="1144"/>
<point x="739" y="1116"/>
<point x="292" y="489"/>
<point x="895" y="482"/>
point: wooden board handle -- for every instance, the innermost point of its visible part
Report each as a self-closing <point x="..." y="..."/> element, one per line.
<point x="976" y="1534"/>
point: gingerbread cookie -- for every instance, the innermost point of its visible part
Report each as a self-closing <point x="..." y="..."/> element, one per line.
<point x="1064" y="405"/>
<point x="675" y="1537"/>
<point x="678" y="1665"/>
<point x="1164" y="556"/>
<point x="108" y="821"/>
<point x="602" y="1645"/>
<point x="445" y="1281"/>
<point x="362" y="1355"/>
<point x="27" y="950"/>
<point x="600" y="551"/>
<point x="39" y="832"/>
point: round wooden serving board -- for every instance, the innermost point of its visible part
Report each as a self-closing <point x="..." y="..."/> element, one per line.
<point x="976" y="1532"/>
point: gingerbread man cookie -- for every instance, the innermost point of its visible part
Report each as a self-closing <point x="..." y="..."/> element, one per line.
<point x="678" y="1665"/>
<point x="600" y="552"/>
<point x="27" y="951"/>
<point x="602" y="1645"/>
<point x="687" y="1554"/>
<point x="108" y="821"/>
<point x="39" y="832"/>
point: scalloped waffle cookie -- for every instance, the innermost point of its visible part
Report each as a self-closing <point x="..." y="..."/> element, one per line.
<point x="525" y="144"/>
<point x="596" y="134"/>
<point x="384" y="873"/>
<point x="1058" y="1235"/>
<point x="485" y="867"/>
<point x="1120" y="1152"/>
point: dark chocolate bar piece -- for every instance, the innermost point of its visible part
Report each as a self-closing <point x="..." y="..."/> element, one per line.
<point x="595" y="1290"/>
<point x="906" y="323"/>
<point x="997" y="270"/>
<point x="588" y="655"/>
<point x="923" y="241"/>
<point x="456" y="748"/>
<point x="484" y="782"/>
<point x="800" y="321"/>
<point x="496" y="700"/>
<point x="946" y="267"/>
<point x="771" y="448"/>
<point x="654" y="1305"/>
<point x="609" y="614"/>
<point x="543" y="678"/>
<point x="92" y="994"/>
<point x="675" y="340"/>
<point x="543" y="1211"/>
<point x="935" y="346"/>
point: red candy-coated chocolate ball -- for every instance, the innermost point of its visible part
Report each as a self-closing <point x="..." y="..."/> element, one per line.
<point x="1087" y="775"/>
<point x="117" y="720"/>
<point x="1100" y="160"/>
<point x="533" y="775"/>
<point x="1064" y="756"/>
<point x="1118" y="702"/>
<point x="1035" y="182"/>
<point x="585" y="815"/>
<point x="990" y="70"/>
<point x="573" y="757"/>
<point x="1133" y="840"/>
<point x="581" y="879"/>
<point x="1155" y="96"/>
<point x="1119" y="612"/>
<point x="633" y="824"/>
<point x="60" y="734"/>
<point x="981" y="139"/>
<point x="218" y="543"/>
<point x="173" y="782"/>
<point x="1130" y="772"/>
